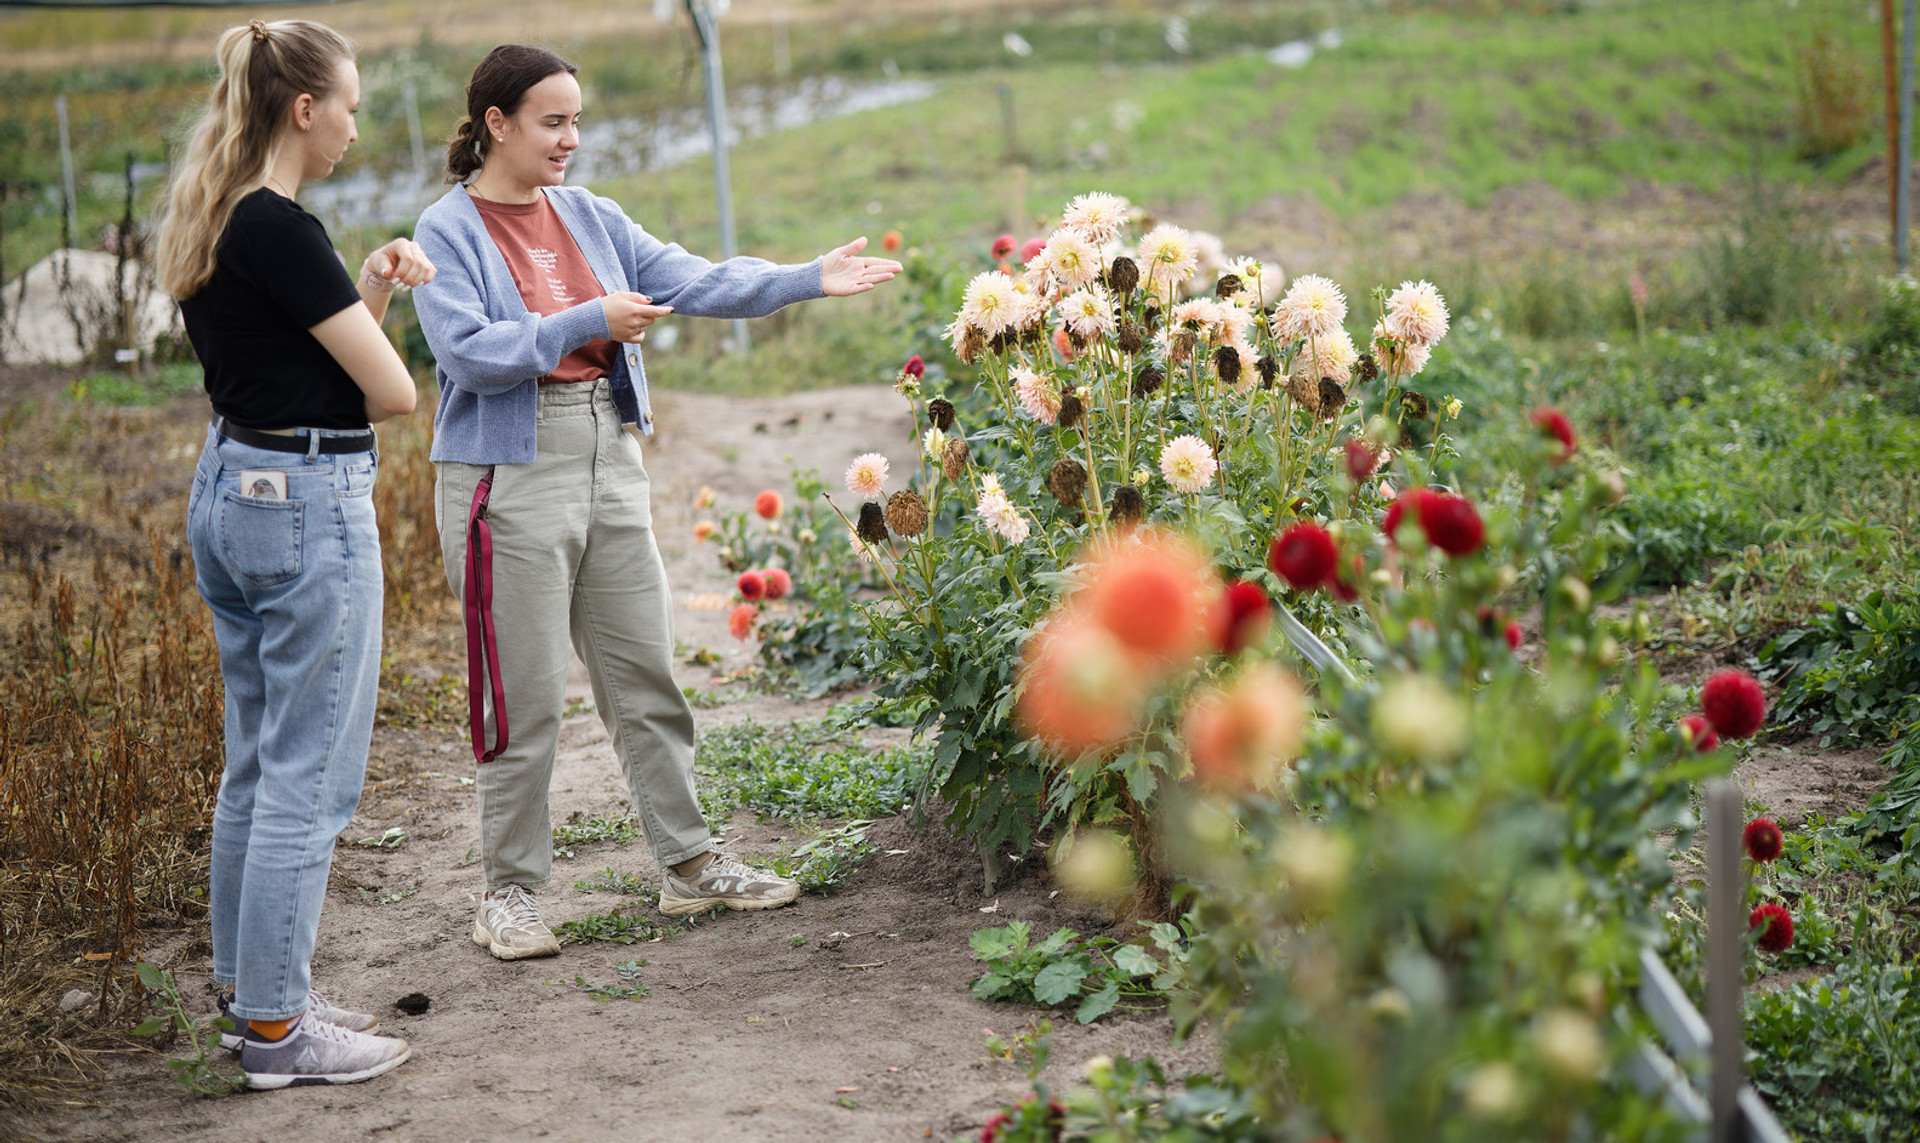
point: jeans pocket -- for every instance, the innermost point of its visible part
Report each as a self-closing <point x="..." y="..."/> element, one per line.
<point x="260" y="539"/>
<point x="355" y="480"/>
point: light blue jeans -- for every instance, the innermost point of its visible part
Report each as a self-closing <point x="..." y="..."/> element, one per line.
<point x="295" y="589"/>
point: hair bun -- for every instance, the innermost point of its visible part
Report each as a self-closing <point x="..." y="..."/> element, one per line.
<point x="259" y="30"/>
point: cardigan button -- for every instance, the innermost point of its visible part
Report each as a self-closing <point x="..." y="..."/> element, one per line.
<point x="633" y="358"/>
<point x="646" y="419"/>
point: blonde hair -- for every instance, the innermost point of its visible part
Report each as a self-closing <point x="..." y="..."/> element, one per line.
<point x="264" y="67"/>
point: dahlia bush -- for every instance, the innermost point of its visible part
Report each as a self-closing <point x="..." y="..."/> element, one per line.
<point x="1121" y="383"/>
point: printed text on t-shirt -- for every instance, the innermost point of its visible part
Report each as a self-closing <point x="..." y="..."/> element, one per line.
<point x="548" y="262"/>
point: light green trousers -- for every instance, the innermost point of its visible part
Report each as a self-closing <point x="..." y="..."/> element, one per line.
<point x="574" y="563"/>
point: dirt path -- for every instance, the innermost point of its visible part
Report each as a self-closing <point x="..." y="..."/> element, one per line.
<point x="865" y="1031"/>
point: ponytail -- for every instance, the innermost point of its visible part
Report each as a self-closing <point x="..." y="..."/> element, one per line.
<point x="264" y="67"/>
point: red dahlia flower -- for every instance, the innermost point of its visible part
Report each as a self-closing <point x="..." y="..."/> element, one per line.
<point x="767" y="505"/>
<point x="1450" y="522"/>
<point x="1762" y="839"/>
<point x="779" y="583"/>
<point x="1775" y="925"/>
<point x="1734" y="704"/>
<point x="1699" y="731"/>
<point x="1303" y="555"/>
<point x="1362" y="459"/>
<point x="1513" y="634"/>
<point x="1396" y="514"/>
<point x="1003" y="246"/>
<point x="890" y="241"/>
<point x="914" y="367"/>
<point x="1030" y="249"/>
<point x="740" y="623"/>
<point x="1240" y="616"/>
<point x="1553" y="423"/>
<point x="752" y="585"/>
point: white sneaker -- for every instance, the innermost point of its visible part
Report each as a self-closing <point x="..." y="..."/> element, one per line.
<point x="316" y="1052"/>
<point x="725" y="881"/>
<point x="317" y="1009"/>
<point x="509" y="926"/>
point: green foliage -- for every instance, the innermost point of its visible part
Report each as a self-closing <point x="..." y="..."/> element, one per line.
<point x="120" y="390"/>
<point x="611" y="880"/>
<point x="825" y="862"/>
<point x="629" y="988"/>
<point x="579" y="830"/>
<point x="1839" y="1057"/>
<point x="1853" y="676"/>
<point x="1092" y="974"/>
<point x="622" y="927"/>
<point x="196" y="1074"/>
<point x="802" y="770"/>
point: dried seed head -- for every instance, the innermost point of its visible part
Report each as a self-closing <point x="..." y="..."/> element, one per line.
<point x="1305" y="393"/>
<point x="906" y="513"/>
<point x="1067" y="480"/>
<point x="1148" y="380"/>
<point x="1151" y="315"/>
<point x="940" y="412"/>
<point x="1130" y="339"/>
<point x="1416" y="404"/>
<point x="1333" y="397"/>
<point x="872" y="528"/>
<point x="971" y="344"/>
<point x="1226" y="362"/>
<point x="1004" y="340"/>
<point x="1182" y="346"/>
<point x="1269" y="369"/>
<point x="1227" y="286"/>
<point x="1033" y="336"/>
<point x="1124" y="276"/>
<point x="954" y="458"/>
<point x="1071" y="410"/>
<point x="1128" y="507"/>
<point x="1365" y="369"/>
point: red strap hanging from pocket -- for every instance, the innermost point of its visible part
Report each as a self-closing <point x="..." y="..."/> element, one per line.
<point x="483" y="650"/>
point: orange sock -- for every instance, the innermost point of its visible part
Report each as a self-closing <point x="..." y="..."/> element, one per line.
<point x="273" y="1029"/>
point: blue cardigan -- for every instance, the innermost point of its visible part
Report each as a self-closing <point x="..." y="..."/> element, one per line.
<point x="489" y="351"/>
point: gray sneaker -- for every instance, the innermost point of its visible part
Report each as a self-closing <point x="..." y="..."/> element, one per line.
<point x="725" y="881"/>
<point x="316" y="1052"/>
<point x="509" y="927"/>
<point x="317" y="1009"/>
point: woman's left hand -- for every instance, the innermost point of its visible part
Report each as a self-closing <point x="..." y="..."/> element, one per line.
<point x="844" y="272"/>
<point x="399" y="263"/>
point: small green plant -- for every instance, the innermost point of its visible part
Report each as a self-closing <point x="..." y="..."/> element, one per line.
<point x="805" y="769"/>
<point x="797" y="940"/>
<point x="611" y="880"/>
<point x="620" y="927"/>
<point x="824" y="863"/>
<point x="622" y="831"/>
<point x="707" y="698"/>
<point x="1854" y="674"/>
<point x="1062" y="968"/>
<point x="629" y="987"/>
<point x="393" y="838"/>
<point x="196" y="1074"/>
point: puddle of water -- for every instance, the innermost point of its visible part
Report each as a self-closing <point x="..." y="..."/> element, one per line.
<point x="622" y="146"/>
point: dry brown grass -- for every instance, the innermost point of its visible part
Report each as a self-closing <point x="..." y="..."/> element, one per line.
<point x="111" y="709"/>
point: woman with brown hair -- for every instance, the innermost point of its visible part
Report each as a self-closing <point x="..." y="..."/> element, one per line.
<point x="286" y="552"/>
<point x="544" y="296"/>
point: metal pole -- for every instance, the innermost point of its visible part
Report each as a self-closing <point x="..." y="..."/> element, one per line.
<point x="1890" y="79"/>
<point x="1903" y="211"/>
<point x="1726" y="936"/>
<point x="66" y="168"/>
<point x="709" y="33"/>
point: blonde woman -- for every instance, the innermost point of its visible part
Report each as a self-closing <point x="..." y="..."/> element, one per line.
<point x="544" y="296"/>
<point x="286" y="552"/>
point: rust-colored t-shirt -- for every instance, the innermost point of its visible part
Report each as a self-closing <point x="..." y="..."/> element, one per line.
<point x="552" y="275"/>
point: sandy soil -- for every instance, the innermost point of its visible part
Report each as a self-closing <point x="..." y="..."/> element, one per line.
<point x="865" y="1031"/>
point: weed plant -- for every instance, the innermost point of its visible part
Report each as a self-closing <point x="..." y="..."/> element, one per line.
<point x="803" y="770"/>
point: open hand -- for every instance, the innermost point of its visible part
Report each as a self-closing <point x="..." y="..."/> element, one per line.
<point x="399" y="263"/>
<point x="844" y="272"/>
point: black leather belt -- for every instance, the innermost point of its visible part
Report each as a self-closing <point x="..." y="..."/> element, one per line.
<point x="298" y="442"/>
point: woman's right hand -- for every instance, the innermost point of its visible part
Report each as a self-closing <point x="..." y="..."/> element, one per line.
<point x="629" y="314"/>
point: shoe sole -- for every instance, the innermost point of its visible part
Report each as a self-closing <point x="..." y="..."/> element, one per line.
<point x="485" y="940"/>
<point x="681" y="906"/>
<point x="262" y="1082"/>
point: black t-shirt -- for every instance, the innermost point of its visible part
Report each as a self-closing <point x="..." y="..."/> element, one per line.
<point x="276" y="277"/>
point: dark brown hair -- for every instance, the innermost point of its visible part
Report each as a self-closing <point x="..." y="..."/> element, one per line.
<point x="502" y="80"/>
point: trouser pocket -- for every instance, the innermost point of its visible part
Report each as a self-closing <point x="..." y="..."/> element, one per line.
<point x="260" y="539"/>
